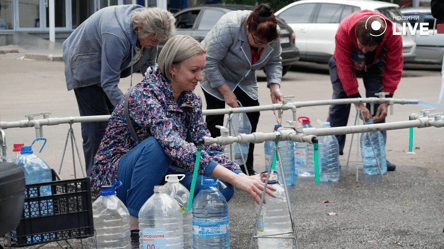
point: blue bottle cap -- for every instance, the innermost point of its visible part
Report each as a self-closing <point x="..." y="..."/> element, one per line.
<point x="210" y="182"/>
<point x="110" y="189"/>
<point x="26" y="150"/>
<point x="276" y="127"/>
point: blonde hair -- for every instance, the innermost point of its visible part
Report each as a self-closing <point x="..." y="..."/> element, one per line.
<point x="154" y="21"/>
<point x="178" y="48"/>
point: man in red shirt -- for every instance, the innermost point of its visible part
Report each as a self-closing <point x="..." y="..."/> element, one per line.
<point x="367" y="48"/>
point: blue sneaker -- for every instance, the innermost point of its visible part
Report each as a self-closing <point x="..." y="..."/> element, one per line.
<point x="390" y="166"/>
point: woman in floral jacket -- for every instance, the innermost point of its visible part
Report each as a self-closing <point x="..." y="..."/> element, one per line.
<point x="163" y="108"/>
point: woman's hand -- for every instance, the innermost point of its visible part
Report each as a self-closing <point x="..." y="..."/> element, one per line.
<point x="275" y="93"/>
<point x="250" y="184"/>
<point x="253" y="185"/>
<point x="229" y="97"/>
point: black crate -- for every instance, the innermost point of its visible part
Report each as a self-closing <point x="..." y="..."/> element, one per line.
<point x="66" y="214"/>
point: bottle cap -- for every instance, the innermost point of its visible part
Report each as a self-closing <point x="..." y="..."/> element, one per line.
<point x="110" y="189"/>
<point x="159" y="188"/>
<point x="276" y="127"/>
<point x="26" y="149"/>
<point x="273" y="179"/>
<point x="370" y="121"/>
<point x="305" y="120"/>
<point x="210" y="182"/>
<point x="18" y="147"/>
<point x="326" y="125"/>
<point x="174" y="177"/>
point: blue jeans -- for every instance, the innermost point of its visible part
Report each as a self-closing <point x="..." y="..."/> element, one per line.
<point x="145" y="166"/>
<point x="338" y="114"/>
<point x="92" y="100"/>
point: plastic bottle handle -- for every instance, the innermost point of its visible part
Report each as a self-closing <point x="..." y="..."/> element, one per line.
<point x="117" y="185"/>
<point x="304" y="118"/>
<point x="37" y="139"/>
<point x="176" y="176"/>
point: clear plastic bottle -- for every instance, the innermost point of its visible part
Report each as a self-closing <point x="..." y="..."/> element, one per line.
<point x="305" y="167"/>
<point x="241" y="125"/>
<point x="368" y="157"/>
<point x="210" y="218"/>
<point x="275" y="220"/>
<point x="111" y="221"/>
<point x="287" y="149"/>
<point x="160" y="221"/>
<point x="15" y="153"/>
<point x="36" y="171"/>
<point x="181" y="194"/>
<point x="329" y="154"/>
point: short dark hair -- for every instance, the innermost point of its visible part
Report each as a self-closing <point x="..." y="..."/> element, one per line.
<point x="263" y="24"/>
<point x="366" y="35"/>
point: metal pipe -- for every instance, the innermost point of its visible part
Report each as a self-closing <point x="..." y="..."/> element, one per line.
<point x="3" y="145"/>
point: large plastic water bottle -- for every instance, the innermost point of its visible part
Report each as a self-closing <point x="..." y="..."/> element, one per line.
<point x="36" y="171"/>
<point x="210" y="218"/>
<point x="275" y="219"/>
<point x="160" y="221"/>
<point x="181" y="195"/>
<point x="368" y="157"/>
<point x="240" y="125"/>
<point x="15" y="153"/>
<point x="111" y="221"/>
<point x="287" y="149"/>
<point x="329" y="154"/>
<point x="305" y="159"/>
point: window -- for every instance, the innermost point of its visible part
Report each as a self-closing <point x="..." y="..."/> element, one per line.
<point x="6" y="21"/>
<point x="300" y="13"/>
<point x="209" y="19"/>
<point x="329" y="13"/>
<point x="393" y="14"/>
<point x="186" y="20"/>
<point x="347" y="10"/>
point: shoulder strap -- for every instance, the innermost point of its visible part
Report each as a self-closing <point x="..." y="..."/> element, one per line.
<point x="127" y="116"/>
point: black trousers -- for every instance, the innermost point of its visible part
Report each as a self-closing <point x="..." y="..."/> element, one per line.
<point x="213" y="120"/>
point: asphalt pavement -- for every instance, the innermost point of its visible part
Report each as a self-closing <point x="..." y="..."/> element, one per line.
<point x="404" y="208"/>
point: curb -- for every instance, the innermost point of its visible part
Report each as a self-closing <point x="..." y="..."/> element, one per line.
<point x="44" y="57"/>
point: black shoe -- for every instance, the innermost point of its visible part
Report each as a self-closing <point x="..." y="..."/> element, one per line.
<point x="135" y="244"/>
<point x="390" y="166"/>
<point x="341" y="153"/>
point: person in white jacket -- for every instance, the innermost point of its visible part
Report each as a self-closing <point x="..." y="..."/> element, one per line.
<point x="240" y="43"/>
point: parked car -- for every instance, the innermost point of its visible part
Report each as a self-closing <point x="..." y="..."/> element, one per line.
<point x="315" y="23"/>
<point x="430" y="47"/>
<point x="198" y="21"/>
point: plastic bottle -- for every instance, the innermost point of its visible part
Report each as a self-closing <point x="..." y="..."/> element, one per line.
<point x="181" y="195"/>
<point x="160" y="221"/>
<point x="275" y="219"/>
<point x="287" y="149"/>
<point x="36" y="171"/>
<point x="111" y="221"/>
<point x="368" y="157"/>
<point x="15" y="153"/>
<point x="305" y="159"/>
<point x="240" y="125"/>
<point x="210" y="218"/>
<point x="329" y="155"/>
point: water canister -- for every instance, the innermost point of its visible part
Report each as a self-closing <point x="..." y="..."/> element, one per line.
<point x="36" y="171"/>
<point x="181" y="194"/>
<point x="329" y="170"/>
<point x="368" y="157"/>
<point x="275" y="219"/>
<point x="15" y="153"/>
<point x="287" y="149"/>
<point x="111" y="221"/>
<point x="305" y="165"/>
<point x="240" y="125"/>
<point x="210" y="218"/>
<point x="160" y="221"/>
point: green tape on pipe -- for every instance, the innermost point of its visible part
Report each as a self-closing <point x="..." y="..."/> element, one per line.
<point x="316" y="162"/>
<point x="273" y="165"/>
<point x="193" y="183"/>
<point x="411" y="140"/>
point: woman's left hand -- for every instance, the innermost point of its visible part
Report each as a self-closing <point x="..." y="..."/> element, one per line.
<point x="275" y="93"/>
<point x="253" y="185"/>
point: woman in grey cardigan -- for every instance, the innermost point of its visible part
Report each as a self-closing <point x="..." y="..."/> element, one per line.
<point x="240" y="43"/>
<point x="111" y="44"/>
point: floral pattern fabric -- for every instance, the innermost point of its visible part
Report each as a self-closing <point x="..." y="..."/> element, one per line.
<point x="154" y="112"/>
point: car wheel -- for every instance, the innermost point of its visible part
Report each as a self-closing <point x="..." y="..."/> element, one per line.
<point x="284" y="70"/>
